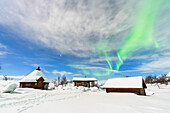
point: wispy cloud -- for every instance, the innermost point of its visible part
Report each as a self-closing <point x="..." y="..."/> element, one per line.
<point x="158" y="63"/>
<point x="69" y="27"/>
<point x="35" y="65"/>
<point x="2" y="46"/>
<point x="3" y="50"/>
<point x="61" y="72"/>
<point x="78" y="75"/>
<point x="88" y="67"/>
<point x="13" y="77"/>
<point x="75" y="28"/>
<point x="46" y="71"/>
<point x="3" y="53"/>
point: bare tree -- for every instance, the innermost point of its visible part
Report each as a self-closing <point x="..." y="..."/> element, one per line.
<point x="64" y="80"/>
<point x="156" y="79"/>
<point x="162" y="80"/>
<point x="58" y="80"/>
<point x="148" y="79"/>
<point x="5" y="77"/>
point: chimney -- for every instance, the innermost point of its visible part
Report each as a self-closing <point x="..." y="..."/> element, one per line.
<point x="38" y="68"/>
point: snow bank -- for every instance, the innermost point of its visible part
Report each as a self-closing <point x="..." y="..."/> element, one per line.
<point x="51" y="86"/>
<point x="28" y="100"/>
<point x="74" y="88"/>
<point x="102" y="102"/>
<point x="94" y="89"/>
<point x="9" y="88"/>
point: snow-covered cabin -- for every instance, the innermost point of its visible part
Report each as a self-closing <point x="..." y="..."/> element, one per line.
<point x="86" y="82"/>
<point x="126" y="84"/>
<point x="36" y="80"/>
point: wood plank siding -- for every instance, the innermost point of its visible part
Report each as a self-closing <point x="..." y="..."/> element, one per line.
<point x="37" y="85"/>
<point x="139" y="91"/>
<point x="84" y="83"/>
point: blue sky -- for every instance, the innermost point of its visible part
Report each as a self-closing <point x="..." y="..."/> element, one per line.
<point x="61" y="37"/>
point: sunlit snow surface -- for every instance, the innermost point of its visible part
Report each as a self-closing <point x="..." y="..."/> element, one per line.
<point x="72" y="100"/>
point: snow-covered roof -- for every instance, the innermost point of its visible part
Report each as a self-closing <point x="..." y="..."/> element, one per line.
<point x="84" y="79"/>
<point x="168" y="75"/>
<point x="34" y="76"/>
<point x="124" y="82"/>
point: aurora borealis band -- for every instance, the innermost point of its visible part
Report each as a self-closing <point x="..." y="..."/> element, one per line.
<point x="141" y="35"/>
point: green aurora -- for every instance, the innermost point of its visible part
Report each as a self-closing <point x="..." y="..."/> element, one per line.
<point x="142" y="33"/>
<point x="140" y="37"/>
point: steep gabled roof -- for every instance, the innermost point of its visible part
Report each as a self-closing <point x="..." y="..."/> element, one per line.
<point x="84" y="79"/>
<point x="34" y="76"/>
<point x="125" y="82"/>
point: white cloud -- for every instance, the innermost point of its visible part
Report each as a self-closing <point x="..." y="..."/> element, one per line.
<point x="160" y="63"/>
<point x="69" y="27"/>
<point x="13" y="77"/>
<point x="61" y="72"/>
<point x="92" y="68"/>
<point x="46" y="71"/>
<point x="3" y="53"/>
<point x="3" y="46"/>
<point x="35" y="65"/>
<point x="76" y="28"/>
<point x="78" y="75"/>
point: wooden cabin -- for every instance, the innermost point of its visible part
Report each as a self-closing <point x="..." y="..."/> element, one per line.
<point x="36" y="80"/>
<point x="126" y="84"/>
<point x="86" y="82"/>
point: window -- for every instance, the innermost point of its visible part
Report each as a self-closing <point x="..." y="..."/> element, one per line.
<point x="84" y="84"/>
<point x="27" y="84"/>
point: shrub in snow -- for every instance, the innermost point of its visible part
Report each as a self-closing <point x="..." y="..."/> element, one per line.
<point x="94" y="89"/>
<point x="84" y="89"/>
<point x="51" y="86"/>
<point x="10" y="88"/>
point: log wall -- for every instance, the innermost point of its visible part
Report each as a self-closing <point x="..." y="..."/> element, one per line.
<point x="139" y="91"/>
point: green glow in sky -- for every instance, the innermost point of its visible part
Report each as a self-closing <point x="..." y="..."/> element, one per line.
<point x="141" y="35"/>
<point x="100" y="49"/>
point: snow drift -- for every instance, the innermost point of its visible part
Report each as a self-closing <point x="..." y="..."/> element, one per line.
<point x="10" y="88"/>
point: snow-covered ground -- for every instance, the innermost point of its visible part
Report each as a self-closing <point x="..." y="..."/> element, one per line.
<point x="72" y="100"/>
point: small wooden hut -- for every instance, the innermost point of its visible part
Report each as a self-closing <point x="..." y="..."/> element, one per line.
<point x="126" y="84"/>
<point x="36" y="80"/>
<point x="86" y="82"/>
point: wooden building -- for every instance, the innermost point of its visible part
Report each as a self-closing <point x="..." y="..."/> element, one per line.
<point x="86" y="82"/>
<point x="126" y="84"/>
<point x="36" y="80"/>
